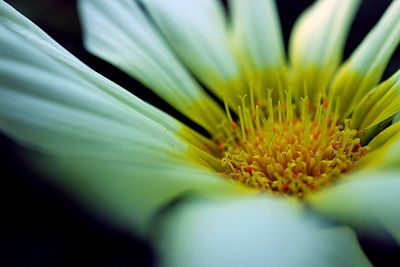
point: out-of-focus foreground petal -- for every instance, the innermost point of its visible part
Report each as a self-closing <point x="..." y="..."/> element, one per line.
<point x="95" y="139"/>
<point x="369" y="201"/>
<point x="120" y="33"/>
<point x="253" y="232"/>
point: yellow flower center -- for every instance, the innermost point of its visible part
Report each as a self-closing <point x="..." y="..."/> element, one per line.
<point x="288" y="147"/>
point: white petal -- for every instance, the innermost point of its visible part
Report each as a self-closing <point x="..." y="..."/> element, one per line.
<point x="117" y="153"/>
<point x="319" y="35"/>
<point x="317" y="43"/>
<point x="368" y="201"/>
<point x="364" y="69"/>
<point x="196" y="30"/>
<point x="257" y="32"/>
<point x="119" y="32"/>
<point x="21" y="26"/>
<point x="253" y="232"/>
<point x="257" y="40"/>
<point x="374" y="52"/>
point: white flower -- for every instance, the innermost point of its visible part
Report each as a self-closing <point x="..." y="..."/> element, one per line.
<point x="127" y="160"/>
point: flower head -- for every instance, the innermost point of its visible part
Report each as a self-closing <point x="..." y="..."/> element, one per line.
<point x="306" y="131"/>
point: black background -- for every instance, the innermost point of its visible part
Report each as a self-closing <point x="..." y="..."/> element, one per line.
<point x="43" y="226"/>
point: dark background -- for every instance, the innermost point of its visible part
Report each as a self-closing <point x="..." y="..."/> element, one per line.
<point x="43" y="226"/>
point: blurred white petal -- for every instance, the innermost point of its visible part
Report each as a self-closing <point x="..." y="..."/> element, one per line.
<point x="368" y="201"/>
<point x="118" y="154"/>
<point x="253" y="232"/>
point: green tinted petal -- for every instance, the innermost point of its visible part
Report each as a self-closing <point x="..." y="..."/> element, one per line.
<point x="396" y="117"/>
<point x="196" y="30"/>
<point x="317" y="43"/>
<point x="363" y="70"/>
<point x="378" y="105"/>
<point x="386" y="135"/>
<point x="385" y="150"/>
<point x="252" y="232"/>
<point x="368" y="201"/>
<point x="119" y="32"/>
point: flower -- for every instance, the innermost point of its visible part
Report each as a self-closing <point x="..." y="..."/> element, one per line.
<point x="321" y="138"/>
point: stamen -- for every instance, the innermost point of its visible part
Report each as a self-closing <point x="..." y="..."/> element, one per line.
<point x="291" y="148"/>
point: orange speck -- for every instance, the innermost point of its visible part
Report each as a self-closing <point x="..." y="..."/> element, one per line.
<point x="356" y="147"/>
<point x="249" y="169"/>
<point x="308" y="105"/>
<point x="220" y="147"/>
<point x="315" y="134"/>
<point x="325" y="103"/>
<point x="285" y="187"/>
<point x="260" y="103"/>
<point x="207" y="147"/>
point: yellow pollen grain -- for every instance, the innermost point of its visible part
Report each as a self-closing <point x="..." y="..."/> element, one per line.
<point x="291" y="148"/>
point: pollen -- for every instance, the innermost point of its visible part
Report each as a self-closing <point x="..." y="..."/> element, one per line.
<point x="289" y="147"/>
